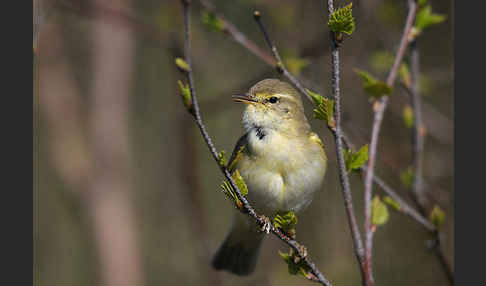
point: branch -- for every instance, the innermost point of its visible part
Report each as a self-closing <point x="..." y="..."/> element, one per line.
<point x="418" y="192"/>
<point x="378" y="118"/>
<point x="246" y="207"/>
<point x="343" y="176"/>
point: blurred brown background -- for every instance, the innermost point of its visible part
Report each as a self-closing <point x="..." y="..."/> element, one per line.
<point x="126" y="192"/>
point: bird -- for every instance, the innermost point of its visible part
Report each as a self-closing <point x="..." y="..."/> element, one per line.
<point x="282" y="162"/>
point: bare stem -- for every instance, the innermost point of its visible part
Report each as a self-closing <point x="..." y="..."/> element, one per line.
<point x="418" y="141"/>
<point x="299" y="249"/>
<point x="343" y="175"/>
<point x="378" y="118"/>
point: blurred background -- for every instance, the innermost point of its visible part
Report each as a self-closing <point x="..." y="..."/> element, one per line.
<point x="126" y="192"/>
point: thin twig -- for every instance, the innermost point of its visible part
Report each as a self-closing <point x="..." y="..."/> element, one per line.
<point x="238" y="36"/>
<point x="378" y="118"/>
<point x="280" y="66"/>
<point x="343" y="175"/>
<point x="418" y="142"/>
<point x="263" y="222"/>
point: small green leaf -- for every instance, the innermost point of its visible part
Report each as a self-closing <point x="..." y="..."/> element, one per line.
<point x="222" y="158"/>
<point x="407" y="177"/>
<point x="425" y="18"/>
<point x="286" y="222"/>
<point x="315" y="96"/>
<point x="240" y="183"/>
<point x="408" y="116"/>
<point x="374" y="87"/>
<point x="381" y="61"/>
<point x="379" y="212"/>
<point x="405" y="75"/>
<point x="422" y="2"/>
<point x="324" y="108"/>
<point x="212" y="21"/>
<point x="295" y="264"/>
<point x="185" y="95"/>
<point x="354" y="160"/>
<point x="342" y="20"/>
<point x="231" y="193"/>
<point x="182" y="64"/>
<point x="296" y="65"/>
<point x="391" y="202"/>
<point x="437" y="216"/>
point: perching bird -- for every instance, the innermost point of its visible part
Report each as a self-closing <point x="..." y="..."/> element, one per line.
<point x="282" y="162"/>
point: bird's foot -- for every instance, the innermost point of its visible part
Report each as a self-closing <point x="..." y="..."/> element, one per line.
<point x="267" y="225"/>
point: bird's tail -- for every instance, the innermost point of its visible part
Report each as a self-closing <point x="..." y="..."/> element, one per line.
<point x="239" y="252"/>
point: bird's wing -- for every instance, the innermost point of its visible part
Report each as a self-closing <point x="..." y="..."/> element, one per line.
<point x="237" y="152"/>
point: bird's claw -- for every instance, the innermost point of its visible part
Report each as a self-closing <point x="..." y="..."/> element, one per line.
<point x="267" y="225"/>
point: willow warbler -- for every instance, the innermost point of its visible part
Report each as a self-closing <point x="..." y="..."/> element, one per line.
<point x="282" y="162"/>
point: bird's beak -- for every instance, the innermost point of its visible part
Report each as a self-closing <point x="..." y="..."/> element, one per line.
<point x="244" y="99"/>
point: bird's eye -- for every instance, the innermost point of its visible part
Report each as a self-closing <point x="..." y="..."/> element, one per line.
<point x="273" y="99"/>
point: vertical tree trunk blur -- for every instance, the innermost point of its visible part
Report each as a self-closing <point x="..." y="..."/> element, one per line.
<point x="193" y="194"/>
<point x="96" y="169"/>
<point x="111" y="210"/>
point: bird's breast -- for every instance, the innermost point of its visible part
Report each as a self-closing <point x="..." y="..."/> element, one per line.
<point x="281" y="172"/>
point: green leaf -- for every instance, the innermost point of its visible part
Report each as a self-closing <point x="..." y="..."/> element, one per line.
<point x="408" y="116"/>
<point x="212" y="21"/>
<point x="342" y="20"/>
<point x="286" y="222"/>
<point x="295" y="264"/>
<point x="437" y="216"/>
<point x="354" y="160"/>
<point x="404" y="73"/>
<point x="425" y="18"/>
<point x="407" y="177"/>
<point x="240" y="183"/>
<point x="296" y="65"/>
<point x="324" y="108"/>
<point x="422" y="2"/>
<point x="379" y="212"/>
<point x="381" y="61"/>
<point x="222" y="158"/>
<point x="374" y="87"/>
<point x="316" y="97"/>
<point x="182" y="64"/>
<point x="230" y="192"/>
<point x="391" y="202"/>
<point x="185" y="95"/>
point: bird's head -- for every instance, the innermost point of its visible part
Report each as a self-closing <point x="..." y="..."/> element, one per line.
<point x="273" y="104"/>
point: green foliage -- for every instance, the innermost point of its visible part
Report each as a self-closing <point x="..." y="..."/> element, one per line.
<point x="379" y="212"/>
<point x="404" y="73"/>
<point x="286" y="222"/>
<point x="392" y="203"/>
<point x="381" y="60"/>
<point x="354" y="160"/>
<point x="424" y="19"/>
<point x="437" y="216"/>
<point x="342" y="20"/>
<point x="212" y="21"/>
<point x="408" y="116"/>
<point x="407" y="177"/>
<point x="231" y="193"/>
<point x="181" y="64"/>
<point x="295" y="264"/>
<point x="374" y="87"/>
<point x="222" y="158"/>
<point x="324" y="108"/>
<point x="296" y="65"/>
<point x="185" y="95"/>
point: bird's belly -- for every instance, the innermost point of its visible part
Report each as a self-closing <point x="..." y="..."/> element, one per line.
<point x="282" y="186"/>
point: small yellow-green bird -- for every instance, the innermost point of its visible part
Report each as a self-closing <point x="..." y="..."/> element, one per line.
<point x="282" y="162"/>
